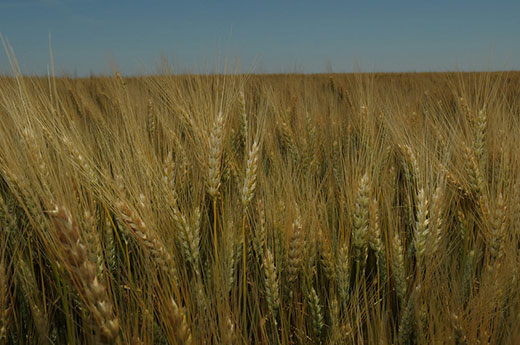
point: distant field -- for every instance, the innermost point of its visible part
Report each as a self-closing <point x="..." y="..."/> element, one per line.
<point x="248" y="209"/>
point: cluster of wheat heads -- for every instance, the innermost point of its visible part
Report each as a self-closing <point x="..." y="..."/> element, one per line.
<point x="291" y="209"/>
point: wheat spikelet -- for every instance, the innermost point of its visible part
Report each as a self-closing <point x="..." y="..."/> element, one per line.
<point x="412" y="174"/>
<point x="326" y="256"/>
<point x="474" y="173"/>
<point x="467" y="274"/>
<point x="334" y="314"/>
<point x="190" y="240"/>
<point x="375" y="242"/>
<point x="374" y="232"/>
<point x="360" y="221"/>
<point x="465" y="107"/>
<point x="179" y="219"/>
<point x="84" y="271"/>
<point x="94" y="241"/>
<point x="109" y="242"/>
<point x="498" y="228"/>
<point x="248" y="190"/>
<point x="398" y="268"/>
<point x="152" y="244"/>
<point x="244" y="126"/>
<point x="343" y="267"/>
<point x="179" y="326"/>
<point x="232" y="257"/>
<point x="316" y="314"/>
<point x="259" y="235"/>
<point x="272" y="290"/>
<point x="421" y="226"/>
<point x="295" y="250"/>
<point x="407" y="321"/>
<point x="288" y="139"/>
<point x="215" y="155"/>
<point x="436" y="220"/>
<point x="479" y="137"/>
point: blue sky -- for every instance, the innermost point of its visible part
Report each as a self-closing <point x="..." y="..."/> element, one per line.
<point x="262" y="36"/>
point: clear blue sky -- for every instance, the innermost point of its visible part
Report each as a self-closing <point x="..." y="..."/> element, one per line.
<point x="266" y="36"/>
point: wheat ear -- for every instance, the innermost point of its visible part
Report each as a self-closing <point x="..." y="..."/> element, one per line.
<point x="272" y="287"/>
<point x="295" y="250"/>
<point x="421" y="226"/>
<point x="84" y="272"/>
<point x="148" y="238"/>
<point x="344" y="273"/>
<point x="248" y="190"/>
<point x="360" y="220"/>
<point x="215" y="155"/>
<point x="398" y="268"/>
<point x="316" y="313"/>
<point x="214" y="164"/>
<point x="182" y="332"/>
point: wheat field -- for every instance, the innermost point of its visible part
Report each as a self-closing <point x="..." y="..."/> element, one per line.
<point x="260" y="209"/>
